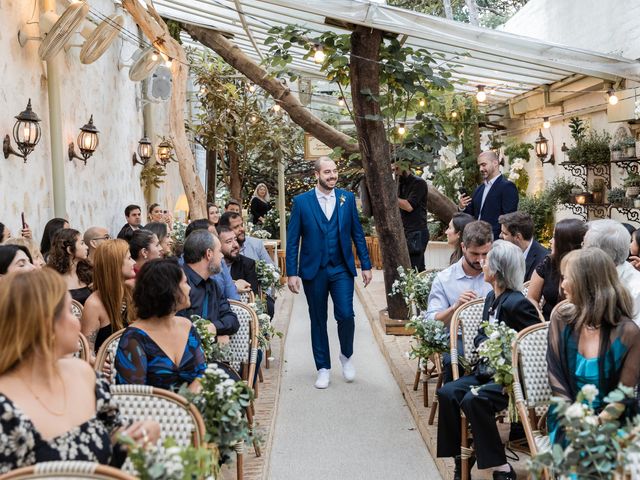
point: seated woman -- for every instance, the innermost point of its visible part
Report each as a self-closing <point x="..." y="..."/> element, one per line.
<point x="144" y="246"/>
<point x="54" y="407"/>
<point x="34" y="251"/>
<point x="454" y="234"/>
<point x="545" y="280"/>
<point x="68" y="256"/>
<point x="107" y="309"/>
<point x="50" y="229"/>
<point x="164" y="237"/>
<point x="14" y="258"/>
<point x="160" y="349"/>
<point x="213" y="213"/>
<point x="504" y="270"/>
<point x="592" y="339"/>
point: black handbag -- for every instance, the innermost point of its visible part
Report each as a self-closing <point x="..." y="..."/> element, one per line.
<point x="414" y="242"/>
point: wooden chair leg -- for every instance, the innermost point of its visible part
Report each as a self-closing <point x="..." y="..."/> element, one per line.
<point x="260" y="375"/>
<point x="416" y="380"/>
<point x="464" y="449"/>
<point x="434" y="404"/>
<point x="239" y="466"/>
<point x="425" y="391"/>
<point x="267" y="354"/>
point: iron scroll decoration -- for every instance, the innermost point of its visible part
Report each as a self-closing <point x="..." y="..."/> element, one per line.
<point x="578" y="171"/>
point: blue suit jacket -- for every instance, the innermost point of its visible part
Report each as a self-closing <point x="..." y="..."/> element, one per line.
<point x="307" y="230"/>
<point x="501" y="199"/>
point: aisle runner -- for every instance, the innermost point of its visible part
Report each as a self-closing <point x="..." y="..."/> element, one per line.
<point x="353" y="431"/>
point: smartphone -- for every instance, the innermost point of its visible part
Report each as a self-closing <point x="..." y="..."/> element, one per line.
<point x="463" y="191"/>
<point x="165" y="211"/>
<point x="24" y="224"/>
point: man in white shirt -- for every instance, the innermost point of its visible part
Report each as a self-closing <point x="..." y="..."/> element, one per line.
<point x="611" y="237"/>
<point x="463" y="281"/>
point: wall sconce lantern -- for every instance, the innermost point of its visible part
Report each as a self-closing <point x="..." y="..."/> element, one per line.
<point x="87" y="142"/>
<point x="145" y="151"/>
<point x="542" y="149"/>
<point x="583" y="198"/>
<point x="164" y="153"/>
<point x="26" y="134"/>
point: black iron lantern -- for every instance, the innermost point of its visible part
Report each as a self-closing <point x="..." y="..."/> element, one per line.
<point x="26" y="134"/>
<point x="145" y="151"/>
<point x="542" y="149"/>
<point x="164" y="152"/>
<point x="87" y="142"/>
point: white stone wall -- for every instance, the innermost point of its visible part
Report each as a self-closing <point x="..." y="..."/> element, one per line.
<point x="97" y="193"/>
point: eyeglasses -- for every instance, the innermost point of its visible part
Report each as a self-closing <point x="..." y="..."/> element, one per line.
<point x="104" y="237"/>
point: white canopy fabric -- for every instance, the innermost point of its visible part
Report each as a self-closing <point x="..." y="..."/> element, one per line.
<point x="507" y="64"/>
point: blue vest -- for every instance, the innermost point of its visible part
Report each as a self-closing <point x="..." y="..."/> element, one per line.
<point x="333" y="254"/>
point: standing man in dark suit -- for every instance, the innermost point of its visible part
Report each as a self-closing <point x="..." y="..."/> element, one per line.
<point x="496" y="196"/>
<point x="324" y="223"/>
<point x="517" y="228"/>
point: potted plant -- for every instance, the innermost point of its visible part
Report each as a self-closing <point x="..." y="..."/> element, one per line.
<point x="616" y="196"/>
<point x="632" y="184"/>
<point x="597" y="189"/>
<point x="629" y="146"/>
<point x="616" y="151"/>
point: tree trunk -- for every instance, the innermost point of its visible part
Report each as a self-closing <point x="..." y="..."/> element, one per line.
<point x="438" y="204"/>
<point x="472" y="7"/>
<point x="212" y="173"/>
<point x="157" y="32"/>
<point x="448" y="11"/>
<point x="235" y="180"/>
<point x="374" y="148"/>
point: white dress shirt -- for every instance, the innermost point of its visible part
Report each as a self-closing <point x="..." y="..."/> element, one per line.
<point x="449" y="285"/>
<point x="327" y="202"/>
<point x="526" y="252"/>
<point x="487" y="186"/>
<point x="630" y="278"/>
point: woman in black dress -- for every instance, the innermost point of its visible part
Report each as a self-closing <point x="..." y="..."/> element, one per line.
<point x="260" y="205"/>
<point x="545" y="281"/>
<point x="68" y="256"/>
<point x="54" y="406"/>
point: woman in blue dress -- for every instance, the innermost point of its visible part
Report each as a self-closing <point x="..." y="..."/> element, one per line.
<point x="592" y="339"/>
<point x="160" y="349"/>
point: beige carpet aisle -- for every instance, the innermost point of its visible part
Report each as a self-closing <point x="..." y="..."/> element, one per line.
<point x="361" y="430"/>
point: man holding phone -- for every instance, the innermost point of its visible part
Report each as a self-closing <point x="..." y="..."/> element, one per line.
<point x="496" y="196"/>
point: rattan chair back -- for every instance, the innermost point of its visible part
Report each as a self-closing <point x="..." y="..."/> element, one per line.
<point x="67" y="470"/>
<point x="466" y="320"/>
<point x="244" y="343"/>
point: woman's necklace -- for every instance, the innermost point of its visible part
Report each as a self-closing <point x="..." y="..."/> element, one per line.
<point x="44" y="404"/>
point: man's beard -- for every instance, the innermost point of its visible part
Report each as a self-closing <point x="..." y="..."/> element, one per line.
<point x="241" y="241"/>
<point x="476" y="266"/>
<point x="325" y="185"/>
<point x="214" y="269"/>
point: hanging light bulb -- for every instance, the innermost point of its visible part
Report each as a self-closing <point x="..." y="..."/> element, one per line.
<point x="341" y="101"/>
<point x="422" y="103"/>
<point x="154" y="56"/>
<point x="318" y="55"/>
<point x="546" y="123"/>
<point x="169" y="62"/>
<point x="252" y="88"/>
<point x="276" y="108"/>
<point x="454" y="114"/>
<point x="401" y="129"/>
<point x="481" y="96"/>
<point x="613" y="98"/>
<point x="253" y="119"/>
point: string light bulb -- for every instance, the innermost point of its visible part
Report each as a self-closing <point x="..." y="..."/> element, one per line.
<point x="253" y="119"/>
<point x="318" y="55"/>
<point x="401" y="129"/>
<point x="154" y="56"/>
<point x="545" y="122"/>
<point x="481" y="96"/>
<point x="341" y="101"/>
<point x="422" y="103"/>
<point x="454" y="114"/>
<point x="276" y="107"/>
<point x="252" y="88"/>
<point x="169" y="62"/>
<point x="613" y="98"/>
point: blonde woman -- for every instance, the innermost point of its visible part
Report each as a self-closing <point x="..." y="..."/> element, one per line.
<point x="107" y="309"/>
<point x="260" y="205"/>
<point x="54" y="407"/>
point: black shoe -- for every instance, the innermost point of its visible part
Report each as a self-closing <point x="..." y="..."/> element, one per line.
<point x="510" y="475"/>
<point x="457" y="474"/>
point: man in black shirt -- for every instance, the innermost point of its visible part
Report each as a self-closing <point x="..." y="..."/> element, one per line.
<point x="412" y="201"/>
<point x="202" y="257"/>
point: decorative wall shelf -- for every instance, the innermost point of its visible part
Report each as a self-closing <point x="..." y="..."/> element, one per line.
<point x="602" y="210"/>
<point x="628" y="164"/>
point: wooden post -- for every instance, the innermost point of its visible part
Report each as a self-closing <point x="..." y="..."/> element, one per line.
<point x="212" y="175"/>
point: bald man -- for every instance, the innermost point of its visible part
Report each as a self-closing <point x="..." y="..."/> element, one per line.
<point x="496" y="196"/>
<point x="93" y="237"/>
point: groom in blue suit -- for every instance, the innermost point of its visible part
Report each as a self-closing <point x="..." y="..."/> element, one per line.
<point x="324" y="222"/>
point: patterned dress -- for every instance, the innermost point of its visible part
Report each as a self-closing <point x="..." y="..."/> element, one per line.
<point x="21" y="444"/>
<point x="141" y="361"/>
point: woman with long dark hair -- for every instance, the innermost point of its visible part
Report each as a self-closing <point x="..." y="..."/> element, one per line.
<point x="454" y="234"/>
<point x="50" y="229"/>
<point x="68" y="256"/>
<point x="592" y="339"/>
<point x="144" y="245"/>
<point x="545" y="281"/>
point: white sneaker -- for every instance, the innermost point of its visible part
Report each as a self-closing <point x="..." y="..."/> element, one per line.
<point x="323" y="378"/>
<point x="348" y="370"/>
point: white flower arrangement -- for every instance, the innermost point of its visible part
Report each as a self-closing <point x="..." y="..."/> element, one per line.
<point x="268" y="276"/>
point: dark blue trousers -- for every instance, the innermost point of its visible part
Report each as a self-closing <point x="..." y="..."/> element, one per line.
<point x="337" y="281"/>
